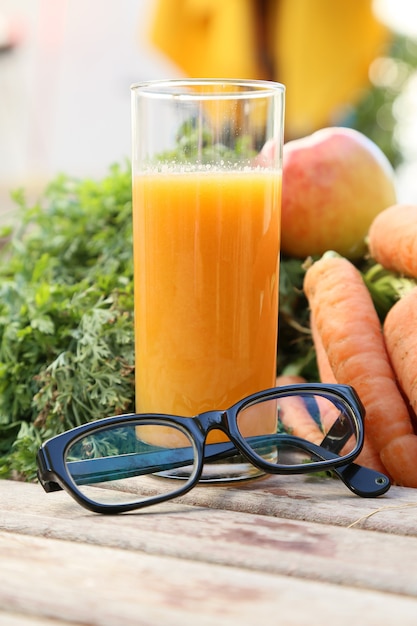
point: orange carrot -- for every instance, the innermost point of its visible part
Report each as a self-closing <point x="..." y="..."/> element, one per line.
<point x="392" y="239"/>
<point x="294" y="414"/>
<point x="400" y="333"/>
<point x="401" y="453"/>
<point x="325" y="371"/>
<point x="351" y="333"/>
<point x="368" y="457"/>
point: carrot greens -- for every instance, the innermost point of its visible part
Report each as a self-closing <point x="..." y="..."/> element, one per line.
<point x="66" y="314"/>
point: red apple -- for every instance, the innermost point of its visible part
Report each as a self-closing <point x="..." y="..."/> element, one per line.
<point x="335" y="182"/>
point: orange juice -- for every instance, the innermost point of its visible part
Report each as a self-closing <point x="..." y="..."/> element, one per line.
<point x="206" y="270"/>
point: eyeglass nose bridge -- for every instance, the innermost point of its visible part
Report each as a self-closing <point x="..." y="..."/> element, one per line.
<point x="211" y="420"/>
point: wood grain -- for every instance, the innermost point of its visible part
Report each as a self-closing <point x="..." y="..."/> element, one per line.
<point x="298" y="498"/>
<point x="322" y="551"/>
<point x="108" y="586"/>
<point x="224" y="555"/>
<point x="17" y="619"/>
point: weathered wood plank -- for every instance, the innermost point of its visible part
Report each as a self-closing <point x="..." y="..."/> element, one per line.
<point x="322" y="552"/>
<point x="96" y="585"/>
<point x="291" y="497"/>
<point x="316" y="500"/>
<point x="17" y="619"/>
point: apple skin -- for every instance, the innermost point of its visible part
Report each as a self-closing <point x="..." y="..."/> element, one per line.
<point x="335" y="182"/>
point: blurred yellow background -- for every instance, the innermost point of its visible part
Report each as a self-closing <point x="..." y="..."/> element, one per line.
<point x="65" y="87"/>
<point x="320" y="49"/>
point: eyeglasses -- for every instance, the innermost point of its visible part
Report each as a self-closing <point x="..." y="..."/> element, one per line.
<point x="129" y="461"/>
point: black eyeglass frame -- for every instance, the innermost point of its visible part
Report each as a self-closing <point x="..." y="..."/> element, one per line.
<point x="53" y="473"/>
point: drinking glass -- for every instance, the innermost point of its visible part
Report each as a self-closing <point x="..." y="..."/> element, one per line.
<point x="206" y="165"/>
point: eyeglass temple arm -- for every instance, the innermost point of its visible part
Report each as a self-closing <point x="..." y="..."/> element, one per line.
<point x="44" y="475"/>
<point x="118" y="467"/>
<point x="360" y="480"/>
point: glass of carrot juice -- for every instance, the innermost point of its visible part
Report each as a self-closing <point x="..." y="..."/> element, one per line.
<point x="206" y="166"/>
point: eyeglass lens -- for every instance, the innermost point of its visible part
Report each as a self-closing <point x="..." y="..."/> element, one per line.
<point x="320" y="420"/>
<point x="126" y="464"/>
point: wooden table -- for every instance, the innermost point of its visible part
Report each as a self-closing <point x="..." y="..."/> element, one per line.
<point x="281" y="550"/>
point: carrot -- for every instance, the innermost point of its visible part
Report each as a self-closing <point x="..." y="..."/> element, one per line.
<point x="368" y="456"/>
<point x="401" y="454"/>
<point x="294" y="414"/>
<point x="400" y="333"/>
<point x="325" y="373"/>
<point x="392" y="239"/>
<point x="323" y="365"/>
<point x="351" y="333"/>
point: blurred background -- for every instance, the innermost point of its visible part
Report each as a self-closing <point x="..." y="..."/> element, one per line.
<point x="66" y="68"/>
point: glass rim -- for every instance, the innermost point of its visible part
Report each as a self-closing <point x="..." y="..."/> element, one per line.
<point x="173" y="88"/>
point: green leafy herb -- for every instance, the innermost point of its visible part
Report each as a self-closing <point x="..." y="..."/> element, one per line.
<point x="66" y="314"/>
<point x="209" y="147"/>
<point x="385" y="287"/>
